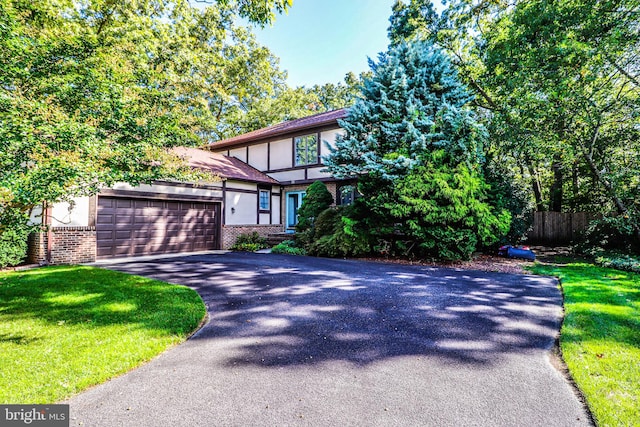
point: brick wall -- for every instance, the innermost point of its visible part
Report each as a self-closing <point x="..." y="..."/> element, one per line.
<point x="69" y="245"/>
<point x="231" y="232"/>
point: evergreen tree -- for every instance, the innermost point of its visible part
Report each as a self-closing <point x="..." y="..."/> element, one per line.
<point x="415" y="146"/>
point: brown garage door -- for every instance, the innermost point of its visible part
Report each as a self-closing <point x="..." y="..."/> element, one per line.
<point x="128" y="226"/>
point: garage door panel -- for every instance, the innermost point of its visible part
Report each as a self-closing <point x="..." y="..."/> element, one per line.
<point x="144" y="226"/>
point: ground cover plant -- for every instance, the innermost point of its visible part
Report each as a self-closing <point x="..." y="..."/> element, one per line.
<point x="250" y="242"/>
<point x="600" y="338"/>
<point x="63" y="329"/>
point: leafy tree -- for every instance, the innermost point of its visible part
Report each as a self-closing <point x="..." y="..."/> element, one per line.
<point x="287" y="104"/>
<point x="412" y="128"/>
<point x="558" y="82"/>
<point x="96" y="92"/>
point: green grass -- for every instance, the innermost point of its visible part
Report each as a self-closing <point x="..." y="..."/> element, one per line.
<point x="600" y="338"/>
<point x="63" y="329"/>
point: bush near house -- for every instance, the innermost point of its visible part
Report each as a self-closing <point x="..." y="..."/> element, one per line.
<point x="250" y="242"/>
<point x="288" y="247"/>
<point x="415" y="146"/>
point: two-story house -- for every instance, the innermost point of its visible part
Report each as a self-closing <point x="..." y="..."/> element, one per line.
<point x="264" y="175"/>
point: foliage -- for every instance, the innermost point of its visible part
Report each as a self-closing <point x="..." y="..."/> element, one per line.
<point x="96" y="92"/>
<point x="506" y="192"/>
<point x="13" y="238"/>
<point x="599" y="338"/>
<point x="618" y="261"/>
<point x="288" y="104"/>
<point x="337" y="234"/>
<point x="609" y="233"/>
<point x="317" y="199"/>
<point x="112" y="321"/>
<point x="249" y="242"/>
<point x="557" y="85"/>
<point x="416" y="148"/>
<point x="288" y="247"/>
<point x="443" y="211"/>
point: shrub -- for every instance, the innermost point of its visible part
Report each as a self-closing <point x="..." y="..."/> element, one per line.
<point x="317" y="199"/>
<point x="615" y="233"/>
<point x="249" y="242"/>
<point x="619" y="261"/>
<point x="337" y="235"/>
<point x="13" y="246"/>
<point x="14" y="232"/>
<point x="288" y="247"/>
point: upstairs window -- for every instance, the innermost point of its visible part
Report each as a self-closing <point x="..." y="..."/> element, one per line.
<point x="306" y="150"/>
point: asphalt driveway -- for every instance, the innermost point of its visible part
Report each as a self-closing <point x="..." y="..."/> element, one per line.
<point x="305" y="341"/>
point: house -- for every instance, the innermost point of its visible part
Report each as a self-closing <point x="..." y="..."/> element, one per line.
<point x="264" y="175"/>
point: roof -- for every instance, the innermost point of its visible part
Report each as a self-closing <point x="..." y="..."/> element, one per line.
<point x="224" y="166"/>
<point x="283" y="128"/>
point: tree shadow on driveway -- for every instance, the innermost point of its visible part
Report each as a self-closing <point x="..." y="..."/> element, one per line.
<point x="280" y="310"/>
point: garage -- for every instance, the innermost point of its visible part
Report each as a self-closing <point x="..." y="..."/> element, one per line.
<point x="137" y="226"/>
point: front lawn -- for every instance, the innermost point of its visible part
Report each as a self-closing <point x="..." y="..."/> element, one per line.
<point x="63" y="329"/>
<point x="600" y="338"/>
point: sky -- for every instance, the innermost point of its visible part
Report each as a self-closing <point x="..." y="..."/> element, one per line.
<point x="319" y="41"/>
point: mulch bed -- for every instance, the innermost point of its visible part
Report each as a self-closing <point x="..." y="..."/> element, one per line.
<point x="484" y="262"/>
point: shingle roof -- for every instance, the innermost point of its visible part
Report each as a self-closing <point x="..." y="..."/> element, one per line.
<point x="304" y="123"/>
<point x="224" y="166"/>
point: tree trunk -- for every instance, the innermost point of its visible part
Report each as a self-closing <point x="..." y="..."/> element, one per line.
<point x="555" y="198"/>
<point x="535" y="185"/>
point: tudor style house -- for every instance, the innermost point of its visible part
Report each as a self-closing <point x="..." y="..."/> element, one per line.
<point x="264" y="175"/>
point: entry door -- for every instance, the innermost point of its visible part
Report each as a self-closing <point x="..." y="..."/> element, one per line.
<point x="294" y="200"/>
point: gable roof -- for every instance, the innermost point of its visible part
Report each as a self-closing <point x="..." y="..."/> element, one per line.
<point x="309" y="122"/>
<point x="224" y="166"/>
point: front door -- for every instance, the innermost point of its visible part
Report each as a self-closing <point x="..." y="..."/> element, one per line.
<point x="294" y="200"/>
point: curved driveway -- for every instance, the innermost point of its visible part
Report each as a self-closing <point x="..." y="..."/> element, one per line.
<point x="316" y="342"/>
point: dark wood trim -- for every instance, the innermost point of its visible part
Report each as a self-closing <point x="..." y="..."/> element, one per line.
<point x="295" y="168"/>
<point x="241" y="190"/>
<point x="272" y="138"/>
<point x="158" y="196"/>
<point x="308" y="181"/>
<point x="224" y="202"/>
<point x="247" y="156"/>
<point x="188" y="185"/>
<point x="268" y="155"/>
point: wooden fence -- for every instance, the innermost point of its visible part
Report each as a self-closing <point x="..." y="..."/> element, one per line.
<point x="558" y="227"/>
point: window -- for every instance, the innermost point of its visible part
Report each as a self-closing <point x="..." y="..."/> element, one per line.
<point x="346" y="194"/>
<point x="306" y="150"/>
<point x="264" y="200"/>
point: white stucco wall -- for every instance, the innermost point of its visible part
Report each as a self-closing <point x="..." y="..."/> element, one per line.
<point x="258" y="156"/>
<point x="244" y="206"/>
<point x="239" y="153"/>
<point x="241" y="185"/>
<point x="294" y="175"/>
<point x="71" y="215"/>
<point x="275" y="210"/>
<point x="281" y="154"/>
<point x="316" y="174"/>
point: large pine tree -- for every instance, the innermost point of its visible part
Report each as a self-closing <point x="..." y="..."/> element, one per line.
<point x="415" y="146"/>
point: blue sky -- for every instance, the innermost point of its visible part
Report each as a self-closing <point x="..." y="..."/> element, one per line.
<point x="319" y="41"/>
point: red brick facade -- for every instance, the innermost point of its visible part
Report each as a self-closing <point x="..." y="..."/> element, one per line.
<point x="231" y="232"/>
<point x="69" y="245"/>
